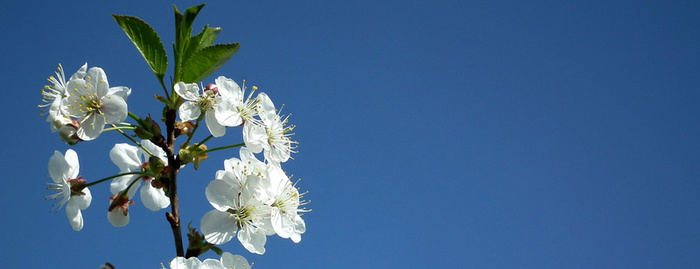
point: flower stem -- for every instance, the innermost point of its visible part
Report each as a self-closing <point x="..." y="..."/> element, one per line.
<point x="132" y="140"/>
<point x="203" y="141"/>
<point x="167" y="95"/>
<point x="116" y="176"/>
<point x="222" y="148"/>
<point x="196" y="126"/>
<point x="119" y="128"/>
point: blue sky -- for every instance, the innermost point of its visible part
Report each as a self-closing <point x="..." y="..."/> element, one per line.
<point x="487" y="134"/>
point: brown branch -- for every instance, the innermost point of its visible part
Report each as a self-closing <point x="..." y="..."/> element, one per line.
<point x="173" y="217"/>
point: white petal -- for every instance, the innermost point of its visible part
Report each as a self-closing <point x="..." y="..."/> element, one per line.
<point x="267" y="111"/>
<point x="82" y="201"/>
<point x="98" y="79"/>
<point x="58" y="167"/>
<point x="155" y="150"/>
<point x="91" y="127"/>
<point x="255" y="137"/>
<point x="73" y="164"/>
<point x="281" y="228"/>
<point x="222" y="195"/>
<point x="212" y="264"/>
<point x="114" y="108"/>
<point x="234" y="261"/>
<point x="117" y="218"/>
<point x="188" y="91"/>
<point x="181" y="263"/>
<point x="218" y="227"/>
<point x="152" y="198"/>
<point x="216" y="129"/>
<point x="253" y="240"/>
<point x="80" y="74"/>
<point x="299" y="224"/>
<point x="227" y="114"/>
<point x="126" y="157"/>
<point x="120" y="91"/>
<point x="121" y="183"/>
<point x="75" y="218"/>
<point x="189" y="111"/>
<point x="229" y="89"/>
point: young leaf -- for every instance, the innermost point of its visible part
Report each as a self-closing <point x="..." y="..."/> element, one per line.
<point x="183" y="30"/>
<point x="202" y="40"/>
<point x="147" y="42"/>
<point x="207" y="60"/>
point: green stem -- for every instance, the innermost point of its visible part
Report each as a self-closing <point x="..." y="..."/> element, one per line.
<point x="136" y="118"/>
<point x="167" y="95"/>
<point x="196" y="126"/>
<point x="132" y="140"/>
<point x="116" y="176"/>
<point x="203" y="141"/>
<point x="119" y="128"/>
<point x="222" y="148"/>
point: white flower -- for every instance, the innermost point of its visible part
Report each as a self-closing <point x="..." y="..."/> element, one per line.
<point x="94" y="103"/>
<point x="195" y="104"/>
<point x="227" y="261"/>
<point x="236" y="169"/>
<point x="234" y="110"/>
<point x="237" y="210"/>
<point x="283" y="198"/>
<point x="129" y="159"/>
<point x="52" y="95"/>
<point x="273" y="137"/>
<point x="71" y="188"/>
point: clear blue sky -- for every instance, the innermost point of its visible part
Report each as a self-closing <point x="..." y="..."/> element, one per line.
<point x="445" y="134"/>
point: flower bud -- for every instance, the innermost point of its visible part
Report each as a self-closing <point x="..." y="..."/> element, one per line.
<point x="69" y="132"/>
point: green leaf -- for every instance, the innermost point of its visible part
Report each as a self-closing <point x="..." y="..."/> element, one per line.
<point x="183" y="30"/>
<point x="147" y="42"/>
<point x="202" y="40"/>
<point x="207" y="60"/>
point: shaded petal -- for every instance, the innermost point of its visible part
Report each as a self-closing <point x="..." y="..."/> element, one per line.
<point x="155" y="150"/>
<point x="82" y="201"/>
<point x="281" y="227"/>
<point x="252" y="240"/>
<point x="188" y="91"/>
<point x="114" y="109"/>
<point x="182" y="263"/>
<point x="212" y="264"/>
<point x="153" y="198"/>
<point x="229" y="89"/>
<point x="218" y="227"/>
<point x="255" y="137"/>
<point x="216" y="129"/>
<point x="120" y="91"/>
<point x="227" y="114"/>
<point x="189" y="111"/>
<point x="222" y="195"/>
<point x="266" y="109"/>
<point x="80" y="74"/>
<point x="58" y="167"/>
<point x="98" y="79"/>
<point x="74" y="165"/>
<point x="117" y="218"/>
<point x="234" y="261"/>
<point x="91" y="127"/>
<point x="119" y="184"/>
<point x="126" y="157"/>
<point x="75" y="218"/>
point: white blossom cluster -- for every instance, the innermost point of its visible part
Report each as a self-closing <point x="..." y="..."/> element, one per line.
<point x="80" y="107"/>
<point x="252" y="199"/>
